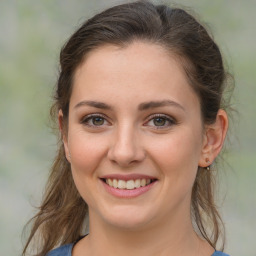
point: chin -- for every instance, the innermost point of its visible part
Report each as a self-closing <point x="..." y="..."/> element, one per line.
<point x="128" y="218"/>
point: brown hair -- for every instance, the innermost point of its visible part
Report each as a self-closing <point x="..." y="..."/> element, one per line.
<point x="62" y="213"/>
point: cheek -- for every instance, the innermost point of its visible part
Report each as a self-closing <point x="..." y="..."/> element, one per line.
<point x="178" y="154"/>
<point x="86" y="151"/>
<point x="177" y="159"/>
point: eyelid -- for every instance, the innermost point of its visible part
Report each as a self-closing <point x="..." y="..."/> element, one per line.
<point x="172" y="121"/>
<point x="85" y="119"/>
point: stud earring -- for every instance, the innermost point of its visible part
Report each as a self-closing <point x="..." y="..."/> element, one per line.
<point x="207" y="161"/>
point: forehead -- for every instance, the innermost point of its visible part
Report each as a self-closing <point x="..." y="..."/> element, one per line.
<point x="133" y="54"/>
<point x="138" y="70"/>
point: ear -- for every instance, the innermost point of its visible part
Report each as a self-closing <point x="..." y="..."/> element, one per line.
<point x="64" y="134"/>
<point x="213" y="140"/>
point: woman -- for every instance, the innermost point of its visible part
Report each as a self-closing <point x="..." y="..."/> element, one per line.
<point x="142" y="120"/>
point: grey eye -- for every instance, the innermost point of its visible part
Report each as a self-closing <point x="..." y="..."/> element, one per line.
<point x="94" y="121"/>
<point x="159" y="121"/>
<point x="97" y="121"/>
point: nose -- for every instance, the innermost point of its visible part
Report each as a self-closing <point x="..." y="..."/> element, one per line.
<point x="126" y="147"/>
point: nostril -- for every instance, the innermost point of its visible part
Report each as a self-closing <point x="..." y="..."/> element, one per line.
<point x="126" y="152"/>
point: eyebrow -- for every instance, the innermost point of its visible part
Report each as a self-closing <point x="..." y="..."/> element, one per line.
<point x="156" y="104"/>
<point x="95" y="104"/>
<point x="141" y="107"/>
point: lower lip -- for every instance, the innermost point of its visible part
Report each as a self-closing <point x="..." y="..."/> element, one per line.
<point x="127" y="193"/>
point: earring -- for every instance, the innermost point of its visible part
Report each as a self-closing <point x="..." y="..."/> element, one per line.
<point x="207" y="161"/>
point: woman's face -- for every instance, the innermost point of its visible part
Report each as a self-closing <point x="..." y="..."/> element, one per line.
<point x="135" y="135"/>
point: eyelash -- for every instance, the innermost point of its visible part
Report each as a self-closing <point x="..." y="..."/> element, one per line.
<point x="171" y="121"/>
<point x="89" y="118"/>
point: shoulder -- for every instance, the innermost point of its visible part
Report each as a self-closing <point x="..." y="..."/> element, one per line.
<point x="218" y="253"/>
<point x="64" y="250"/>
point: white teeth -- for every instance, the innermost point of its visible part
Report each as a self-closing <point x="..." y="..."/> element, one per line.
<point x="115" y="183"/>
<point x="110" y="182"/>
<point x="137" y="183"/>
<point x="121" y="184"/>
<point x="129" y="184"/>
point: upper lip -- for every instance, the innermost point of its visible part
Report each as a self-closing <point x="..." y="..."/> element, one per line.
<point x="126" y="177"/>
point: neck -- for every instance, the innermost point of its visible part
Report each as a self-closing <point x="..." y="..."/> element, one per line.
<point x="177" y="238"/>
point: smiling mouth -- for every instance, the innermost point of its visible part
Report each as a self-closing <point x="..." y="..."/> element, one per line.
<point x="128" y="184"/>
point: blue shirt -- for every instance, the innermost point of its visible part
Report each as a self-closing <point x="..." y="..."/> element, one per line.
<point x="66" y="250"/>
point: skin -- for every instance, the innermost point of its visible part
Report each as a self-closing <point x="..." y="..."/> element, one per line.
<point x="127" y="140"/>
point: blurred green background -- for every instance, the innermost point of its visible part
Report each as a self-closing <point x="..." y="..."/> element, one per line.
<point x="31" y="34"/>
